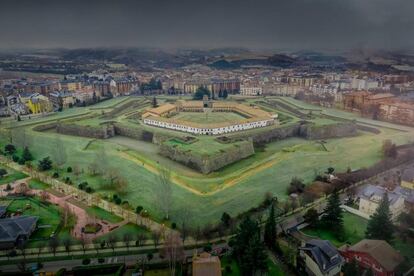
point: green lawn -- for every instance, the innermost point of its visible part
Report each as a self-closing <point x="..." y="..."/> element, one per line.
<point x="208" y="117"/>
<point x="354" y="225"/>
<point x="11" y="176"/>
<point x="38" y="185"/>
<point x="100" y="213"/>
<point x="49" y="216"/>
<point x="228" y="261"/>
<point x="130" y="228"/>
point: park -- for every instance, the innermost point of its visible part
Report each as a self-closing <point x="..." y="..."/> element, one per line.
<point x="108" y="147"/>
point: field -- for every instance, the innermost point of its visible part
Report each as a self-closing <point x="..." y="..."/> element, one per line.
<point x="102" y="214"/>
<point x="208" y="117"/>
<point x="131" y="229"/>
<point x="49" y="217"/>
<point x="11" y="176"/>
<point x="234" y="188"/>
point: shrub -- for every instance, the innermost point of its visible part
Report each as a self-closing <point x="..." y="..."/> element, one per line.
<point x="101" y="260"/>
<point x="208" y="248"/>
<point x="118" y="201"/>
<point x="228" y="269"/>
<point x="27" y="155"/>
<point x="21" y="161"/>
<point x="86" y="261"/>
<point x="55" y="175"/>
<point x="89" y="190"/>
<point x="173" y="225"/>
<point x="139" y="209"/>
<point x="3" y="172"/>
<point x="9" y="149"/>
<point x="15" y="158"/>
<point x="69" y="169"/>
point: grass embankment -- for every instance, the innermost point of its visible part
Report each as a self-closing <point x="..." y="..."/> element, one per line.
<point x="128" y="229"/>
<point x="100" y="213"/>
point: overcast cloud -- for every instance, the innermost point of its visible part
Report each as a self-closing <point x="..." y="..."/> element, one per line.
<point x="268" y="24"/>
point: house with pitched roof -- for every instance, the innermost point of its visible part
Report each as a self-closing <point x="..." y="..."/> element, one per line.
<point x="376" y="255"/>
<point x="16" y="230"/>
<point x="371" y="196"/>
<point x="206" y="265"/>
<point x="320" y="258"/>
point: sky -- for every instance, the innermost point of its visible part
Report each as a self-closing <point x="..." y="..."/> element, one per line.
<point x="256" y="24"/>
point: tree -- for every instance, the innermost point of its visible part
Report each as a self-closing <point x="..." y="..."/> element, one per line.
<point x="156" y="236"/>
<point x="164" y="191"/>
<point x="296" y="186"/>
<point x="248" y="248"/>
<point x="225" y="219"/>
<point x="67" y="243"/>
<point x="225" y="94"/>
<point x="312" y="217"/>
<point x="127" y="239"/>
<point x="389" y="149"/>
<point x="3" y="172"/>
<point x="139" y="209"/>
<point x="380" y="226"/>
<point x="173" y="251"/>
<point x="59" y="152"/>
<point x="333" y="218"/>
<point x="154" y="102"/>
<point x="270" y="230"/>
<point x="201" y="91"/>
<point x="112" y="239"/>
<point x="351" y="268"/>
<point x="9" y="149"/>
<point x="53" y="245"/>
<point x="45" y="164"/>
<point x="140" y="239"/>
<point x="27" y="155"/>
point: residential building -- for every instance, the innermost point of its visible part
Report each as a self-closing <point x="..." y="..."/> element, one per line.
<point x="206" y="265"/>
<point x="371" y="196"/>
<point x="39" y="104"/>
<point x="250" y="90"/>
<point x="407" y="179"/>
<point x="62" y="99"/>
<point x="376" y="255"/>
<point x="320" y="258"/>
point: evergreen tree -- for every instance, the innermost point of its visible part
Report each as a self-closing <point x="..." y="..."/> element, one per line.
<point x="27" y="155"/>
<point x="248" y="248"/>
<point x="270" y="230"/>
<point x="201" y="91"/>
<point x="225" y="94"/>
<point x="45" y="164"/>
<point x="154" y="102"/>
<point x="10" y="149"/>
<point x="380" y="226"/>
<point x="351" y="268"/>
<point x="332" y="218"/>
<point x="226" y="219"/>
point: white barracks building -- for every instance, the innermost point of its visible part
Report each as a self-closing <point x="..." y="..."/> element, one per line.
<point x="163" y="117"/>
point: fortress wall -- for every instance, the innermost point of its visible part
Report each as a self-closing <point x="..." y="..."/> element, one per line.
<point x="207" y="164"/>
<point x="103" y="132"/>
<point x="313" y="132"/>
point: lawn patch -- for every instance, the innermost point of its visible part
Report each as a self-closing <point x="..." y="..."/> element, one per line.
<point x="100" y="213"/>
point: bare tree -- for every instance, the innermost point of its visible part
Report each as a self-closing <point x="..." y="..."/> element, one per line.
<point x="183" y="216"/>
<point x="112" y="239"/>
<point x="53" y="245"/>
<point x="67" y="243"/>
<point x="156" y="236"/>
<point x="140" y="239"/>
<point x="83" y="243"/>
<point x="44" y="196"/>
<point x="173" y="251"/>
<point x="163" y="191"/>
<point x="127" y="239"/>
<point x="59" y="152"/>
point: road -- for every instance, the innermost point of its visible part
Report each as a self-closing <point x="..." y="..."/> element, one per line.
<point x="54" y="266"/>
